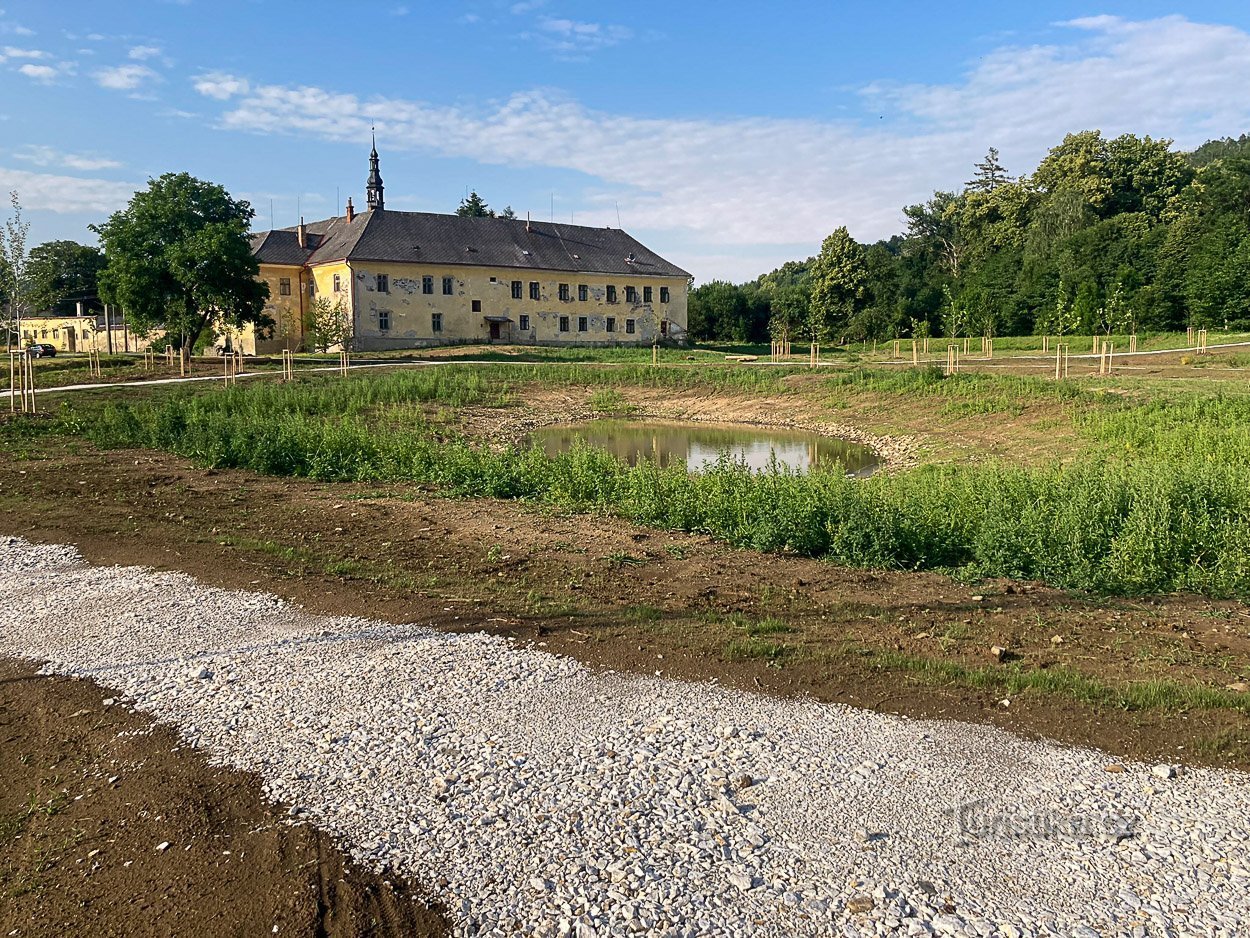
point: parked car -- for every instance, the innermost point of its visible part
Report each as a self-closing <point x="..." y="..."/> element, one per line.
<point x="41" y="350"/>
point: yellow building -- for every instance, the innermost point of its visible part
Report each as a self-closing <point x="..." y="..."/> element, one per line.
<point x="80" y="334"/>
<point x="411" y="279"/>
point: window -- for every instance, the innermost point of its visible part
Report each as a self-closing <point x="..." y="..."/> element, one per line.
<point x="611" y="294"/>
<point x="582" y="324"/>
<point x="477" y="306"/>
<point x="535" y="293"/>
<point x="663" y="327"/>
<point x="564" y="323"/>
<point x="284" y="286"/>
<point x="631" y="294"/>
<point x="516" y="289"/>
<point x="427" y="284"/>
<point x="629" y="326"/>
<point x="524" y="323"/>
<point x="449" y="286"/>
<point x="338" y="285"/>
<point x="564" y="292"/>
<point x="663" y="294"/>
<point x="436" y="322"/>
<point x="646" y="294"/>
<point x="384" y="320"/>
<point x="611" y="324"/>
<point x="384" y="283"/>
<point x="312" y="287"/>
<point x="583" y="293"/>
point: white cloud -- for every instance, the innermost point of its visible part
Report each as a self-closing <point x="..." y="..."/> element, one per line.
<point x="9" y="52"/>
<point x="570" y="37"/>
<point x="49" y="156"/>
<point x="125" y="77"/>
<point x="221" y="86"/>
<point x="66" y="194"/>
<point x="40" y="73"/>
<point x="740" y="188"/>
<point x="527" y="6"/>
<point x="400" y="11"/>
<point x="143" y="53"/>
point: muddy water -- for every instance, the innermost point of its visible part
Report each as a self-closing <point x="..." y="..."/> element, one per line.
<point x="699" y="445"/>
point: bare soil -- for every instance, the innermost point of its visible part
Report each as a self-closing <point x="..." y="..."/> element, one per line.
<point x="111" y="826"/>
<point x="631" y="599"/>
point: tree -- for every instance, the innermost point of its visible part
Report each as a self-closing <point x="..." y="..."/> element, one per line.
<point x="474" y="206"/>
<point x="63" y="273"/>
<point x="13" y="253"/>
<point x="838" y="280"/>
<point x="955" y="319"/>
<point x="788" y="312"/>
<point x="507" y="212"/>
<point x="179" y="260"/>
<point x="934" y="226"/>
<point x="990" y="174"/>
<point x="327" y="327"/>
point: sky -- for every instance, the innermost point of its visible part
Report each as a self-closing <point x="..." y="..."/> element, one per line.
<point x="729" y="137"/>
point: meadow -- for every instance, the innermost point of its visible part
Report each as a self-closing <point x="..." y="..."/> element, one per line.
<point x="1156" y="500"/>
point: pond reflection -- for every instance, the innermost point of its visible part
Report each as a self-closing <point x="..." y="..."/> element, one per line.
<point x="699" y="445"/>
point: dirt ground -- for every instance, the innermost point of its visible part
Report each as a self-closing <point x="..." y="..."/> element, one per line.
<point x="109" y="825"/>
<point x="633" y="599"/>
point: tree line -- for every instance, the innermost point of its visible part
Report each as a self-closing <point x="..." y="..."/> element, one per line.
<point x="1106" y="235"/>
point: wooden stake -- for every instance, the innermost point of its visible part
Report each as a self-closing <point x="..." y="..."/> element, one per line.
<point x="13" y="381"/>
<point x="915" y="353"/>
<point x="1045" y="344"/>
<point x="1132" y="342"/>
<point x="897" y="352"/>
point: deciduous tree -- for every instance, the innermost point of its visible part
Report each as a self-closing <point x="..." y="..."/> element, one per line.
<point x="178" y="260"/>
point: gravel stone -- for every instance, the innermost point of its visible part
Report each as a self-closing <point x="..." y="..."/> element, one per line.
<point x="534" y="795"/>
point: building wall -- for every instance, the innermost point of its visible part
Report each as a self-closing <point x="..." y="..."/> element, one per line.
<point x="287" y="311"/>
<point x="410" y="312"/>
<point x="79" y="334"/>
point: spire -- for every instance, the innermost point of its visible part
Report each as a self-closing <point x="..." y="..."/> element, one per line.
<point x="373" y="188"/>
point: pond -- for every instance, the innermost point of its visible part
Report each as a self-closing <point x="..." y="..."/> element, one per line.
<point x="698" y="445"/>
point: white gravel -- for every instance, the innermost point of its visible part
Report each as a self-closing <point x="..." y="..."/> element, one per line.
<point x="553" y="800"/>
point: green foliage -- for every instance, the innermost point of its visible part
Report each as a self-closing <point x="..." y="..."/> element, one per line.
<point x="179" y="260"/>
<point x="62" y="273"/>
<point x="474" y="206"/>
<point x="838" y="285"/>
<point x="1129" y="232"/>
<point x="327" y="326"/>
<point x="1161" y="502"/>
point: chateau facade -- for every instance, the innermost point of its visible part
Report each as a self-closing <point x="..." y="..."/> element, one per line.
<point x="413" y="279"/>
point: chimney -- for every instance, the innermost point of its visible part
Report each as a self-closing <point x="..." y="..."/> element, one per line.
<point x="302" y="233"/>
<point x="351" y="210"/>
<point x="78" y="308"/>
<point x="527" y="221"/>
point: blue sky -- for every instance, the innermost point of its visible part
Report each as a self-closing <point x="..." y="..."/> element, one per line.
<point x="729" y="136"/>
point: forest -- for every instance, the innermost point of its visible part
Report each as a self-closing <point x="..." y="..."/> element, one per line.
<point x="1106" y="236"/>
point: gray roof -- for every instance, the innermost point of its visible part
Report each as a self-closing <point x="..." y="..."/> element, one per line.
<point x="278" y="247"/>
<point x="427" y="238"/>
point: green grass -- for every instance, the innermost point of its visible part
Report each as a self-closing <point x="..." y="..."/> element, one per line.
<point x="1159" y="500"/>
<point x="749" y="647"/>
<point x="1012" y="680"/>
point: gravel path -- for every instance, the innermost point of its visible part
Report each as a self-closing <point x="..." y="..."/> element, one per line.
<point x="533" y="794"/>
